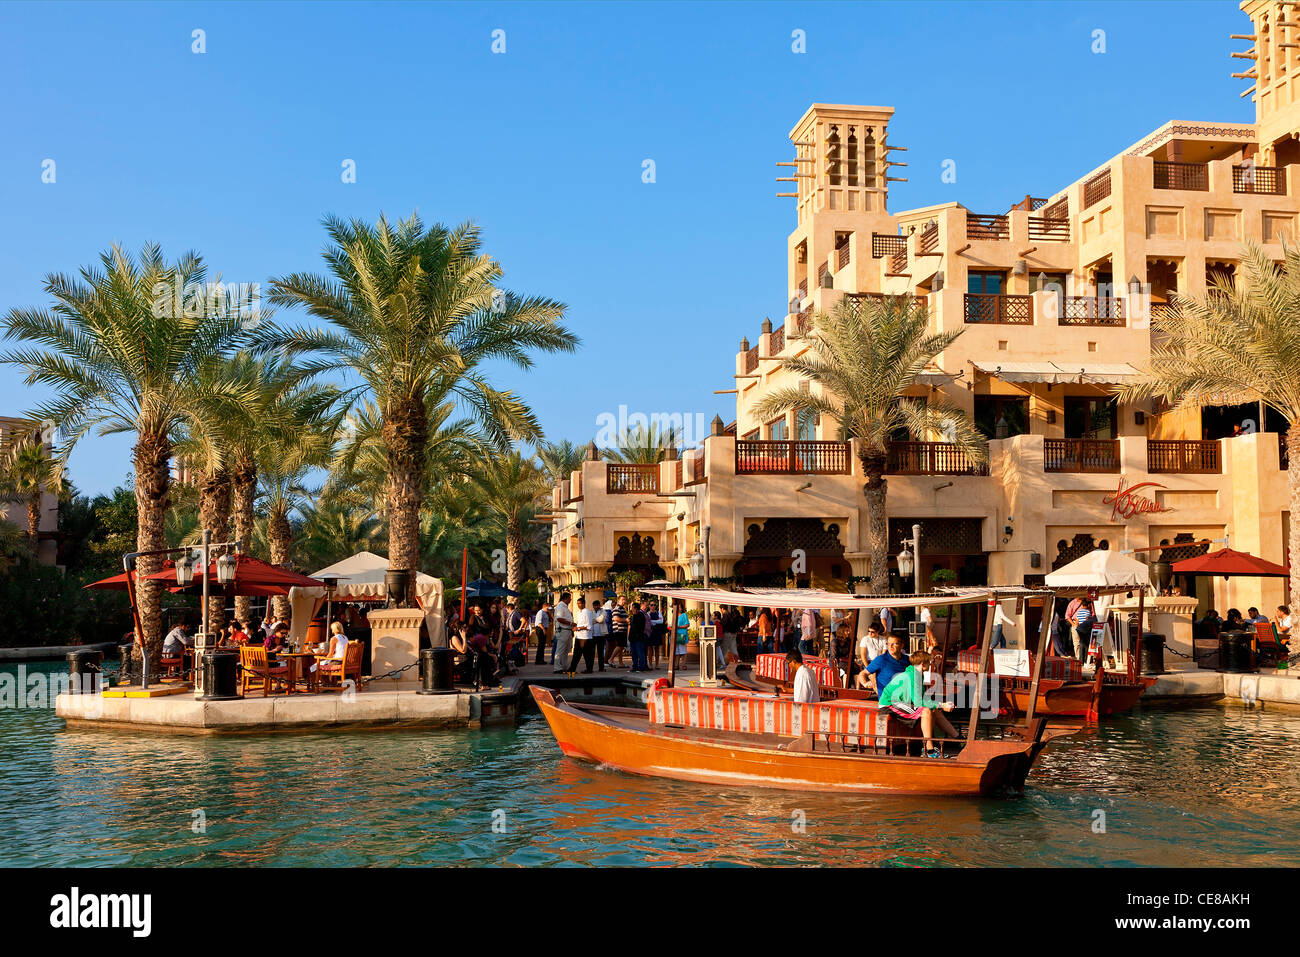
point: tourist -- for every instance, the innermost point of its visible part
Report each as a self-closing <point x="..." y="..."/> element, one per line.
<point x="716" y="622"/>
<point x="268" y="626"/>
<point x="656" y="630"/>
<point x="805" y="682"/>
<point x="786" y="634"/>
<point x="882" y="669"/>
<point x="808" y="632"/>
<point x="886" y="621"/>
<point x="563" y="645"/>
<point x="1254" y="617"/>
<point x="478" y="641"/>
<point x="926" y="618"/>
<point x="338" y="643"/>
<point x="870" y="647"/>
<point x="542" y="632"/>
<point x="636" y="633"/>
<point x="1282" y="621"/>
<point x="1208" y="627"/>
<point x="1080" y="614"/>
<point x="582" y="643"/>
<point x="1234" y="621"/>
<point x="599" y="629"/>
<point x="1002" y="622"/>
<point x="683" y="635"/>
<point x="766" y="631"/>
<point x="177" y="640"/>
<point x="732" y="623"/>
<point x="904" y="696"/>
<point x="517" y="621"/>
<point x="277" y="640"/>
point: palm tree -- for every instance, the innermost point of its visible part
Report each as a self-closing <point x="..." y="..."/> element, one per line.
<point x="512" y="486"/>
<point x="121" y="358"/>
<point x="1240" y="343"/>
<point x="333" y="530"/>
<point x="416" y="312"/>
<point x="27" y="472"/>
<point x="862" y="358"/>
<point x="560" y="459"/>
<point x="643" y="445"/>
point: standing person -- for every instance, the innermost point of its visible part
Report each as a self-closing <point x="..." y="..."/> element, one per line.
<point x="618" y="635"/>
<point x="636" y="630"/>
<point x="582" y="643"/>
<point x="1080" y="615"/>
<point x="716" y="621"/>
<point x="599" y="629"/>
<point x="808" y="632"/>
<point x="517" y="630"/>
<point x="542" y="632"/>
<point x="732" y="623"/>
<point x="655" y="630"/>
<point x="766" y="631"/>
<point x="683" y="639"/>
<point x="805" y="682"/>
<point x="563" y="647"/>
<point x="870" y="647"/>
<point x="1002" y="623"/>
<point x="886" y="621"/>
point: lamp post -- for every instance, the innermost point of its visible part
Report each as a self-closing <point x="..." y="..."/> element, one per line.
<point x="909" y="562"/>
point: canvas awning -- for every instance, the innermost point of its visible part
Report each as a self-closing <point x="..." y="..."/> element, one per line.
<point x="816" y="598"/>
<point x="1089" y="373"/>
<point x="361" y="578"/>
<point x="1102" y="570"/>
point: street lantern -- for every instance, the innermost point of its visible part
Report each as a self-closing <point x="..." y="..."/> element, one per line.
<point x="184" y="570"/>
<point x="226" y="569"/>
<point x="697" y="566"/>
<point x="906" y="563"/>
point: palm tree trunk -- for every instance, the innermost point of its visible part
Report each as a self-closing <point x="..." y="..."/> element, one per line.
<point x="34" y="520"/>
<point x="150" y="458"/>
<point x="214" y="515"/>
<point x="406" y="435"/>
<point x="1293" y="545"/>
<point x="243" y="478"/>
<point x="873" y="466"/>
<point x="279" y="538"/>
<point x="514" y="554"/>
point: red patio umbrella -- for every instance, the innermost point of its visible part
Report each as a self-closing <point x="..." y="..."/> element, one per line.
<point x="252" y="577"/>
<point x="1230" y="564"/>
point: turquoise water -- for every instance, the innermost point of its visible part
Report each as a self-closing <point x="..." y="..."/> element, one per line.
<point x="1211" y="786"/>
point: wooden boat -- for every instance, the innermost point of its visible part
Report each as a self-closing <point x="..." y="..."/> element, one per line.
<point x="675" y="740"/>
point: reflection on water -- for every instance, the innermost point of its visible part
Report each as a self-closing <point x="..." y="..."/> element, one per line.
<point x="1192" y="788"/>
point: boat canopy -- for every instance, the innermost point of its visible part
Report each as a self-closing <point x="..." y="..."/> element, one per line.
<point x="820" y="599"/>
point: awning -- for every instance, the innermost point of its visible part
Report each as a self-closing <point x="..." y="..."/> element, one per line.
<point x="1102" y="570"/>
<point x="825" y="600"/>
<point x="1090" y="373"/>
<point x="1230" y="563"/>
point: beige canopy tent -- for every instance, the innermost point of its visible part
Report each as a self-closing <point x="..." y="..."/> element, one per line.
<point x="1104" y="570"/>
<point x="361" y="578"/>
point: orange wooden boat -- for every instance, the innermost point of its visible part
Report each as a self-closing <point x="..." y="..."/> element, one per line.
<point x="698" y="735"/>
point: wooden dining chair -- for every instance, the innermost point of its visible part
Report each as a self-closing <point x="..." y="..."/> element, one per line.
<point x="349" y="667"/>
<point x="257" y="672"/>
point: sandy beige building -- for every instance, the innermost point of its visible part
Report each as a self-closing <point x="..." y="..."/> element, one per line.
<point x="1054" y="295"/>
<point x="16" y="512"/>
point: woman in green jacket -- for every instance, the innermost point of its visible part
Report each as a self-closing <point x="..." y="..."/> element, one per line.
<point x="904" y="696"/>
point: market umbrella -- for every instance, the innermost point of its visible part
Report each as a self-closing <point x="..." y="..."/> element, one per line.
<point x="1101" y="570"/>
<point x="482" y="588"/>
<point x="1230" y="563"/>
<point x="252" y="577"/>
<point x="117" y="582"/>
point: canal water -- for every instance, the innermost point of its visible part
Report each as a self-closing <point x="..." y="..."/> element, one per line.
<point x="1202" y="787"/>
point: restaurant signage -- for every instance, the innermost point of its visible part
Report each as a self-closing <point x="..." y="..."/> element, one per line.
<point x="1125" y="502"/>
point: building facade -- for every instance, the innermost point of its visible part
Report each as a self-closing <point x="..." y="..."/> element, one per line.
<point x="1054" y="297"/>
<point x="16" y="512"/>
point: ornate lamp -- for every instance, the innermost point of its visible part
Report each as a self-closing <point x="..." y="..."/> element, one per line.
<point x="906" y="563"/>
<point x="185" y="570"/>
<point x="226" y="569"/>
<point x="697" y="566"/>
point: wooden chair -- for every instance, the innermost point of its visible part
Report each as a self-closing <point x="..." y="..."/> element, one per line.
<point x="1267" y="643"/>
<point x="349" y="667"/>
<point x="256" y="672"/>
<point x="173" y="666"/>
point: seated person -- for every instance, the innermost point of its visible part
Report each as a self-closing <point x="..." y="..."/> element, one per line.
<point x="883" y="668"/>
<point x="277" y="640"/>
<point x="870" y="647"/>
<point x="904" y="696"/>
<point x="1234" y="621"/>
<point x="805" y="682"/>
<point x="338" y="642"/>
<point x="177" y="640"/>
<point x="1282" y="621"/>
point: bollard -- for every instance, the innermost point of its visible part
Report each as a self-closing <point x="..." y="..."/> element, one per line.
<point x="436" y="672"/>
<point x="1153" y="654"/>
<point x="219" y="676"/>
<point x="84" y="671"/>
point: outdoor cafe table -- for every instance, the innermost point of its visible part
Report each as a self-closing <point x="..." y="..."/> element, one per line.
<point x="297" y="665"/>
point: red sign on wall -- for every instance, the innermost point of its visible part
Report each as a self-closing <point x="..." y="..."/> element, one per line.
<point x="1126" y="502"/>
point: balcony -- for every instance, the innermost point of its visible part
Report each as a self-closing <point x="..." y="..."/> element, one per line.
<point x="928" y="244"/>
<point x="1259" y="179"/>
<point x="898" y="263"/>
<point x="1005" y="310"/>
<point x="631" y="479"/>
<point x="883" y="244"/>
<point x="931" y="458"/>
<point x="1194" y="176"/>
<point x="1166" y="456"/>
<point x="792" y="457"/>
<point x="1096" y="189"/>
<point x="778" y="342"/>
<point x="1045" y="230"/>
<point x="751" y="360"/>
<point x="980" y="227"/>
<point x="841" y="257"/>
<point x="1091" y="311"/>
<point x="1081" y="455"/>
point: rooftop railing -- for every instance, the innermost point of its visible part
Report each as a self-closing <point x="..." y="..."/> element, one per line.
<point x="987" y="227"/>
<point x="1259" y="179"/>
<point x="631" y="479"/>
<point x="931" y="458"/>
<point x="1042" y="229"/>
<point x="1181" y="176"/>
<point x="1003" y="310"/>
<point x="884" y="244"/>
<point x="1097" y="188"/>
<point x="791" y="457"/>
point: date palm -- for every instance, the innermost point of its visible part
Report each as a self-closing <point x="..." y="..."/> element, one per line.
<point x="560" y="459"/>
<point x="27" y="471"/>
<point x="862" y="358"/>
<point x="414" y="312"/>
<point x="511" y="487"/>
<point x="1240" y="343"/>
<point x="121" y="358"/>
<point x="642" y="445"/>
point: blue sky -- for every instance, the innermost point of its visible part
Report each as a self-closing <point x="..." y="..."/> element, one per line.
<point x="237" y="152"/>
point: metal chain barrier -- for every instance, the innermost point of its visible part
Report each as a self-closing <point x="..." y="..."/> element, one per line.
<point x="392" y="674"/>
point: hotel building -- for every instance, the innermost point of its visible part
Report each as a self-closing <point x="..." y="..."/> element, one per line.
<point x="1054" y="295"/>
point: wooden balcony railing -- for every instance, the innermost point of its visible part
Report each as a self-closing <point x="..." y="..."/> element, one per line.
<point x="898" y="263"/>
<point x="931" y="458"/>
<point x="883" y="244"/>
<point x="1081" y="455"/>
<point x="841" y="257"/>
<point x="987" y="227"/>
<point x="778" y="341"/>
<point x="792" y="457"/>
<point x="855" y="299"/>
<point x="1091" y="311"/>
<point x="678" y="475"/>
<point x="751" y="360"/>
<point x="1058" y="210"/>
<point x="803" y="322"/>
<point x="631" y="479"/>
<point x="1181" y="176"/>
<point x="1042" y="229"/>
<point x="1166" y="456"/>
<point x="1259" y="179"/>
<point x="1006" y="310"/>
<point x="1097" y="188"/>
<point x="928" y="244"/>
<point x="803" y="289"/>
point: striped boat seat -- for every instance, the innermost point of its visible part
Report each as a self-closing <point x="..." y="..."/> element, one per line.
<point x="778" y="669"/>
<point x="1060" y="669"/>
<point x="729" y="710"/>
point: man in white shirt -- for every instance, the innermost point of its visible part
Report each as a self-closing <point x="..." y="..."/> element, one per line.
<point x="563" y="633"/>
<point x="599" y="630"/>
<point x="541" y="631"/>
<point x="927" y="619"/>
<point x="582" y="644"/>
<point x="805" y="682"/>
<point x="1002" y="622"/>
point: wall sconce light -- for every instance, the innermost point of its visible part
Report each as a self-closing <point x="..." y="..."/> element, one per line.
<point x="1139" y="417"/>
<point x="1035" y="560"/>
<point x="828" y="281"/>
<point x="936" y="284"/>
<point x="1021" y="268"/>
<point x="1051" y="416"/>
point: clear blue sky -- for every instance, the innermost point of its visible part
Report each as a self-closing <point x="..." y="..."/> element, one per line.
<point x="237" y="152"/>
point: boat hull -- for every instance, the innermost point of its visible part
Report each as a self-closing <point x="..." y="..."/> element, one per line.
<point x="981" y="768"/>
